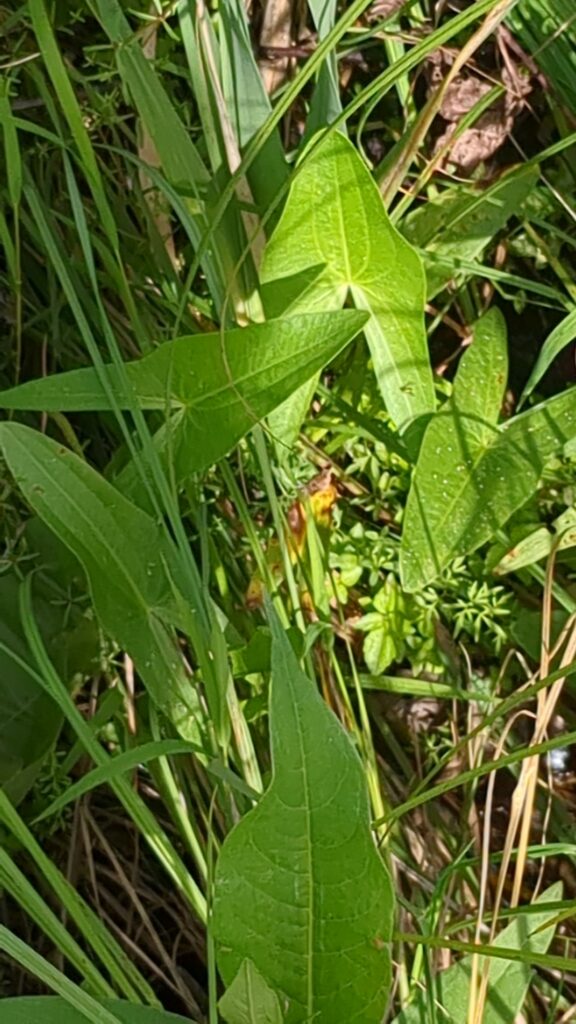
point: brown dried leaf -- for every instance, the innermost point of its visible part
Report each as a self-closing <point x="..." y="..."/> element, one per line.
<point x="463" y="94"/>
<point x="478" y="143"/>
<point x="381" y="10"/>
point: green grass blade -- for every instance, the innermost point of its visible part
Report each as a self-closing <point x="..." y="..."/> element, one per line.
<point x="131" y="801"/>
<point x="40" y="968"/>
<point x="21" y="890"/>
<point x="117" y="766"/>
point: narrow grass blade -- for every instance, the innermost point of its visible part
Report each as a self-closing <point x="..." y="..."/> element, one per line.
<point x="86" y="1007"/>
<point x="558" y="339"/>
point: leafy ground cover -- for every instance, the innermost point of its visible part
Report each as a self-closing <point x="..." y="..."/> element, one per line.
<point x="288" y="442"/>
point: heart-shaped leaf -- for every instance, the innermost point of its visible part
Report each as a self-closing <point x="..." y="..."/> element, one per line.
<point x="473" y="474"/>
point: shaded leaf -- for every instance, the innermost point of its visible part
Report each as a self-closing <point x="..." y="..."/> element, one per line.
<point x="526" y="630"/>
<point x="473" y="474"/>
<point x="128" y="560"/>
<point x="250" y="1000"/>
<point x="335" y="217"/>
<point x="52" y="1010"/>
<point x="29" y="719"/>
<point x="508" y="979"/>
<point x="299" y="882"/>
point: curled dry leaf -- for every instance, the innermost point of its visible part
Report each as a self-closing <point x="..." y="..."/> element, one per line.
<point x="381" y="10"/>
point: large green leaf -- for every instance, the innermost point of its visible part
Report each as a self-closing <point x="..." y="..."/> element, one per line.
<point x="299" y="882"/>
<point x="217" y="385"/>
<point x="127" y="558"/>
<point x="461" y="223"/>
<point x="53" y="1010"/>
<point x="335" y="219"/>
<point x="250" y="1000"/>
<point x="473" y="474"/>
<point x="508" y="979"/>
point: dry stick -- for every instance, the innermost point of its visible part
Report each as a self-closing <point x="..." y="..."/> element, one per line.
<point x="528" y="780"/>
<point x="519" y="800"/>
<point x="276" y="34"/>
<point x="478" y="993"/>
<point x="148" y="154"/>
<point x="519" y="805"/>
<point x="130" y="698"/>
<point x="392" y="182"/>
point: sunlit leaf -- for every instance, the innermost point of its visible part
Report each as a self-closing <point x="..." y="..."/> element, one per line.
<point x="335" y="218"/>
<point x="217" y="386"/>
<point x="473" y="474"/>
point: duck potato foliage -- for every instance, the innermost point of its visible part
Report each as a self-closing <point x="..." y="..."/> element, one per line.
<point x="288" y="454"/>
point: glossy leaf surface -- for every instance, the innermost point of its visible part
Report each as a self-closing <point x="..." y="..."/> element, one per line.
<point x="335" y="220"/>
<point x="217" y="385"/>
<point x="472" y="474"/>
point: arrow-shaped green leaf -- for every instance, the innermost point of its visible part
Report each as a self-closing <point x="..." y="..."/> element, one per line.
<point x="335" y="217"/>
<point x="218" y="385"/>
<point x="250" y="1000"/>
<point x="299" y="882"/>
